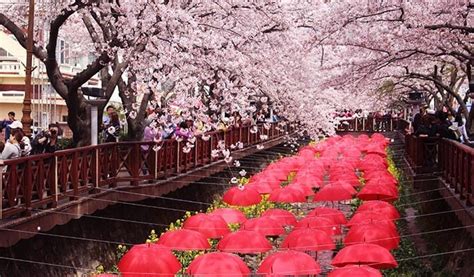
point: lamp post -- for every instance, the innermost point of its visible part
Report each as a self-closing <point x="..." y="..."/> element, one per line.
<point x="26" y="118"/>
<point x="99" y="100"/>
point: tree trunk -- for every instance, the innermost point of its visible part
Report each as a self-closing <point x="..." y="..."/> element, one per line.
<point x="79" y="119"/>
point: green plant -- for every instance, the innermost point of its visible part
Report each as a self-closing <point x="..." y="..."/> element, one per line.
<point x="65" y="143"/>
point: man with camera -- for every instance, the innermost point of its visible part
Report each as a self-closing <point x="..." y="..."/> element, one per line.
<point x="47" y="141"/>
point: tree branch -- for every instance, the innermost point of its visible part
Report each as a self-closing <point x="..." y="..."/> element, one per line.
<point x="20" y="36"/>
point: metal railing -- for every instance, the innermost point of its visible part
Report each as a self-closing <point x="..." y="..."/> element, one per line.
<point x="369" y="124"/>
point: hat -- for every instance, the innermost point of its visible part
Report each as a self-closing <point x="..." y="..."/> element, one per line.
<point x="16" y="125"/>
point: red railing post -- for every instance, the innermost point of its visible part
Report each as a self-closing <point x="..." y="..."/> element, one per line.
<point x="95" y="171"/>
<point x="1" y="188"/>
<point x="135" y="162"/>
<point x="74" y="174"/>
<point x="54" y="182"/>
<point x="177" y="160"/>
<point x="470" y="178"/>
<point x="156" y="159"/>
<point x="28" y="187"/>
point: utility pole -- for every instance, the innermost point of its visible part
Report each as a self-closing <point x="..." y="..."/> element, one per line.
<point x="26" y="118"/>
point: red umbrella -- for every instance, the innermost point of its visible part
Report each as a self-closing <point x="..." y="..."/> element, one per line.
<point x="211" y="226"/>
<point x="264" y="187"/>
<point x="333" y="214"/>
<point x="365" y="253"/>
<point x="381" y="207"/>
<point x="308" y="240"/>
<point x="355" y="271"/>
<point x="377" y="192"/>
<point x="376" y="234"/>
<point x="275" y="172"/>
<point x="367" y="217"/>
<point x="383" y="181"/>
<point x="218" y="264"/>
<point x="150" y="260"/>
<point x="289" y="262"/>
<point x="265" y="226"/>
<point x="287" y="195"/>
<point x="242" y="196"/>
<point x="284" y="216"/>
<point x="320" y="223"/>
<point x="184" y="240"/>
<point x="230" y="215"/>
<point x="308" y="180"/>
<point x="376" y="174"/>
<point x="333" y="192"/>
<point x="244" y="242"/>
<point x="306" y="190"/>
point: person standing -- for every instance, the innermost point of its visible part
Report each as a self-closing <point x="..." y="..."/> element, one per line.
<point x="112" y="130"/>
<point x="417" y="120"/>
<point x="5" y="124"/>
<point x="12" y="148"/>
<point x="47" y="141"/>
<point x="25" y="143"/>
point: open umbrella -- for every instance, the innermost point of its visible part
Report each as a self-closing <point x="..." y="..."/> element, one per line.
<point x="284" y="216"/>
<point x="320" y="223"/>
<point x="218" y="264"/>
<point x="230" y="215"/>
<point x="287" y="195"/>
<point x="380" y="207"/>
<point x="369" y="217"/>
<point x="331" y="213"/>
<point x="184" y="240"/>
<point x="306" y="190"/>
<point x="333" y="192"/>
<point x="309" y="180"/>
<point x="355" y="271"/>
<point x="377" y="234"/>
<point x="265" y="226"/>
<point x="289" y="262"/>
<point x="242" y="196"/>
<point x="365" y="253"/>
<point x="308" y="240"/>
<point x="211" y="226"/>
<point x="264" y="187"/>
<point x="148" y="260"/>
<point x="244" y="242"/>
<point x="378" y="192"/>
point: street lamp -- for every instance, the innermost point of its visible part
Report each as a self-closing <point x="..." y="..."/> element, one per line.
<point x="26" y="110"/>
<point x="99" y="100"/>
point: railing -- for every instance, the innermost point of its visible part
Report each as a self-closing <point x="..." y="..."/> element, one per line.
<point x="456" y="162"/>
<point x="452" y="160"/>
<point x="422" y="153"/>
<point x="48" y="180"/>
<point x="370" y="124"/>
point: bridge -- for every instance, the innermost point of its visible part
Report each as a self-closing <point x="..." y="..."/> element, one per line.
<point x="42" y="191"/>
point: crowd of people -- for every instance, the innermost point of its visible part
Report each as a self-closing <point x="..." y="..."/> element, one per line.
<point x="160" y="124"/>
<point x="359" y="113"/>
<point x="17" y="144"/>
<point x="444" y="124"/>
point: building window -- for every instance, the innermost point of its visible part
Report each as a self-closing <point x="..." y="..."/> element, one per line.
<point x="64" y="118"/>
<point x="63" y="52"/>
<point x="4" y="53"/>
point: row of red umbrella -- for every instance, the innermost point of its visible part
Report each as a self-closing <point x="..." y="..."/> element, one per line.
<point x="371" y="236"/>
